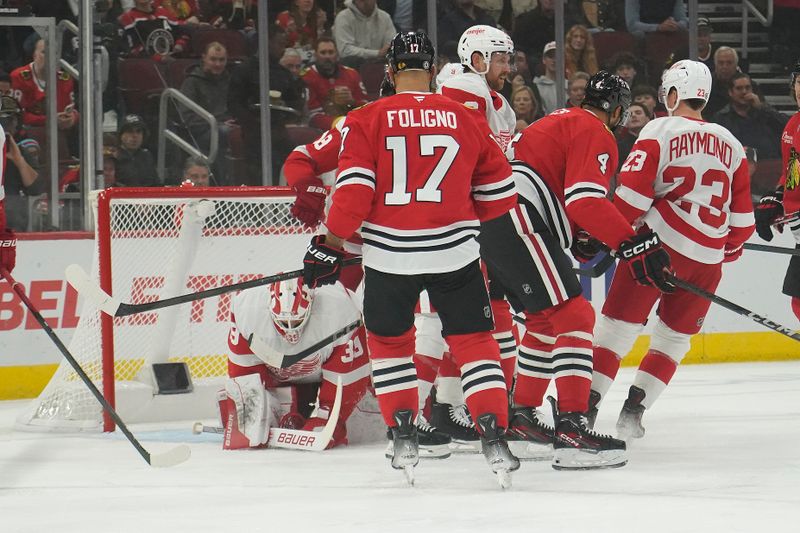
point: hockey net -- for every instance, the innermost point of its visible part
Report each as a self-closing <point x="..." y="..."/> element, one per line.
<point x="153" y="244"/>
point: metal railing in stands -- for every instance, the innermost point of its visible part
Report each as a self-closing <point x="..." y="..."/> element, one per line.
<point x="749" y="9"/>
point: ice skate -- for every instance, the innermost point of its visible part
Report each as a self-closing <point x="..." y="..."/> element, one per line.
<point x="576" y="447"/>
<point x="591" y="414"/>
<point x="433" y="444"/>
<point x="495" y="449"/>
<point x="629" y="423"/>
<point x="405" y="445"/>
<point x="529" y="438"/>
<point x="454" y="420"/>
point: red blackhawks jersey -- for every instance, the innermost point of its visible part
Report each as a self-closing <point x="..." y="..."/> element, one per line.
<point x="471" y="90"/>
<point x="688" y="181"/>
<point x="320" y="87"/>
<point x="139" y="25"/>
<point x="3" y="149"/>
<point x="562" y="165"/>
<point x="417" y="173"/>
<point x="790" y="152"/>
<point x="29" y="91"/>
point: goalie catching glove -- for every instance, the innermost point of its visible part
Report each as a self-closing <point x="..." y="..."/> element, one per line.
<point x="322" y="264"/>
<point x="768" y="210"/>
<point x="309" y="206"/>
<point x="647" y="260"/>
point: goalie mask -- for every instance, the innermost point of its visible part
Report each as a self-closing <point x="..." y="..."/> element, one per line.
<point x="290" y="307"/>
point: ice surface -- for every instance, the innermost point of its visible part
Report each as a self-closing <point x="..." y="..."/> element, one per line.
<point x="720" y="454"/>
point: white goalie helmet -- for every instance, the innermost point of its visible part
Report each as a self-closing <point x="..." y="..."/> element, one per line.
<point x="691" y="79"/>
<point x="290" y="307"/>
<point x="483" y="39"/>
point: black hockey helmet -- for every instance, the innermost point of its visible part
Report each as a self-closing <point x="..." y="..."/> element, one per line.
<point x="608" y="91"/>
<point x="411" y="50"/>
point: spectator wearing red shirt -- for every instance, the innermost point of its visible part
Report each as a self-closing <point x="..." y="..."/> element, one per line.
<point x="152" y="31"/>
<point x="333" y="89"/>
<point x="303" y="22"/>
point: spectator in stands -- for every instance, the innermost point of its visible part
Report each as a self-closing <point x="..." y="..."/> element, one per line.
<point x="596" y="15"/>
<point x="754" y="123"/>
<point x="21" y="178"/>
<point x="208" y="85"/>
<point x="579" y="51"/>
<point x="463" y="16"/>
<point x="407" y="15"/>
<point x="197" y="172"/>
<point x="504" y="12"/>
<point x="522" y="66"/>
<point x="546" y="83"/>
<point x="5" y="83"/>
<point x="152" y="32"/>
<point x="648" y="97"/>
<point x="638" y="116"/>
<point x="182" y="11"/>
<point x="626" y="66"/>
<point x="726" y="64"/>
<point x="576" y="88"/>
<point x="362" y="32"/>
<point x="526" y="108"/>
<point x="705" y="50"/>
<point x="646" y="16"/>
<point x="110" y="166"/>
<point x="333" y="89"/>
<point x="304" y="22"/>
<point x="135" y="165"/>
<point x="292" y="62"/>
<point x="234" y="14"/>
<point x="534" y="29"/>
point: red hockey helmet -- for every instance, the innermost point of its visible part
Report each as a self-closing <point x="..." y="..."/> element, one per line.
<point x="290" y="307"/>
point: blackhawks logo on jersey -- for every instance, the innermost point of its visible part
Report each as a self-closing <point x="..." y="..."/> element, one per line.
<point x="792" y="170"/>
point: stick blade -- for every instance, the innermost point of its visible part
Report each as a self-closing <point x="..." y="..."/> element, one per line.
<point x="175" y="456"/>
<point x="80" y="281"/>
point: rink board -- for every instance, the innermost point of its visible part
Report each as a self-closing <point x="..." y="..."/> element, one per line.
<point x="28" y="358"/>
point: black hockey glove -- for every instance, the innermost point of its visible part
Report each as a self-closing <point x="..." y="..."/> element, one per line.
<point x="648" y="261"/>
<point x="767" y="211"/>
<point x="585" y="247"/>
<point x="322" y="264"/>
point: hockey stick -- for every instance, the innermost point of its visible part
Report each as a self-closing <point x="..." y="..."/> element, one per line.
<point x="78" y="278"/>
<point x="785" y="219"/>
<point x="295" y="439"/>
<point x="773" y="249"/>
<point x="764" y="321"/>
<point x="597" y="270"/>
<point x="276" y="359"/>
<point x="172" y="457"/>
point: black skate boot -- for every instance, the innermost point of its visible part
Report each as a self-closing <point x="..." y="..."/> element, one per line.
<point x="405" y="445"/>
<point x="433" y="444"/>
<point x="576" y="447"/>
<point x="529" y="438"/>
<point x="495" y="449"/>
<point x="629" y="423"/>
<point x="456" y="422"/>
<point x="591" y="414"/>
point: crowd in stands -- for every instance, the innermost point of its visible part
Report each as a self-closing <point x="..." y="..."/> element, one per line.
<point x="326" y="58"/>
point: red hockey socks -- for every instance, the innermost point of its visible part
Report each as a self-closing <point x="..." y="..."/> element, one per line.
<point x="394" y="375"/>
<point x="503" y="333"/>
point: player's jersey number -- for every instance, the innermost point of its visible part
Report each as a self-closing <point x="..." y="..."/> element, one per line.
<point x="429" y="192"/>
<point x="709" y="197"/>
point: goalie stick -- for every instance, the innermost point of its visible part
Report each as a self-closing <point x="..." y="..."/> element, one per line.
<point x="773" y="249"/>
<point x="276" y="359"/>
<point x="80" y="281"/>
<point x="764" y="321"/>
<point x="172" y="457"/>
<point x="295" y="439"/>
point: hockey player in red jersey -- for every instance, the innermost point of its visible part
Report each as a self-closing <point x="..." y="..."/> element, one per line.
<point x="688" y="180"/>
<point x="417" y="174"/>
<point x="786" y="197"/>
<point x="562" y="165"/>
<point x="286" y="318"/>
<point x="8" y="240"/>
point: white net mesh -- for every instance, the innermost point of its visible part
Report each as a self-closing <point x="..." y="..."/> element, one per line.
<point x="162" y="246"/>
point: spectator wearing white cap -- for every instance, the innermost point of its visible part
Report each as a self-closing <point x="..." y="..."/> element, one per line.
<point x="546" y="83"/>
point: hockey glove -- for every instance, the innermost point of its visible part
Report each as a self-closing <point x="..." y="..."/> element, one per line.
<point x="648" y="261"/>
<point x="309" y="206"/>
<point x="322" y="264"/>
<point x="585" y="247"/>
<point x="767" y="211"/>
<point x="732" y="254"/>
<point x="292" y="420"/>
<point x="8" y="249"/>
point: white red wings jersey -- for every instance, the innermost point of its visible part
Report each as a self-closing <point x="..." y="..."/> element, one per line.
<point x="417" y="173"/>
<point x="471" y="90"/>
<point x="688" y="181"/>
<point x="790" y="153"/>
<point x="562" y="167"/>
<point x="332" y="309"/>
<point x="29" y="91"/>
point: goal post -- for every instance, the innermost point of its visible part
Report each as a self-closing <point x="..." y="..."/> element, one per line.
<point x="155" y="243"/>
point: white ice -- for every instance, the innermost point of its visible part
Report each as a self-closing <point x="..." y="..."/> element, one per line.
<point x="720" y="455"/>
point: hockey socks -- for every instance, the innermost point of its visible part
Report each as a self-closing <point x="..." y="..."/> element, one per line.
<point x="427" y="368"/>
<point x="653" y="376"/>
<point x="503" y="333"/>
<point x="394" y="376"/>
<point x="796" y="307"/>
<point x="534" y="367"/>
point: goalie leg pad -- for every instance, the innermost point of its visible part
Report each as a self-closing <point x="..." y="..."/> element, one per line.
<point x="248" y="410"/>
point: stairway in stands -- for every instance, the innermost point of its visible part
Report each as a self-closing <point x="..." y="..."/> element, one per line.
<point x="772" y="78"/>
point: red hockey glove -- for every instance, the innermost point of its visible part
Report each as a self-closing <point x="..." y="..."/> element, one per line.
<point x="322" y="264"/>
<point x="648" y="261"/>
<point x="585" y="247"/>
<point x="8" y="249"/>
<point x="309" y="206"/>
<point x="732" y="254"/>
<point x="292" y="420"/>
<point x="767" y="211"/>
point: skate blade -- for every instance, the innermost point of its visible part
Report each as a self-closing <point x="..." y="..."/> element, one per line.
<point x="441" y="451"/>
<point x="408" y="472"/>
<point x="465" y="446"/>
<point x="530" y="451"/>
<point x="566" y="459"/>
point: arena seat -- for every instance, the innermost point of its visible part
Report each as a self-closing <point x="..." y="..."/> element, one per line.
<point x="234" y="41"/>
<point x="372" y="76"/>
<point x="177" y="70"/>
<point x="141" y="80"/>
